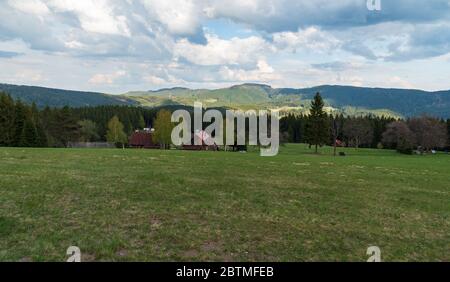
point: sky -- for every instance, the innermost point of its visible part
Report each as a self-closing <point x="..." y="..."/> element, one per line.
<point x="114" y="46"/>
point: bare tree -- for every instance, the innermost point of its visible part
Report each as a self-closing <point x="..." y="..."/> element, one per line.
<point x="336" y="130"/>
<point x="358" y="131"/>
<point x="430" y="132"/>
<point x="399" y="136"/>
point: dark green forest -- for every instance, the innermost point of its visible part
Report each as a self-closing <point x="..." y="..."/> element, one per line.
<point x="23" y="125"/>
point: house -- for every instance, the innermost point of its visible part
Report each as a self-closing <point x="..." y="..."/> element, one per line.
<point x="204" y="138"/>
<point x="143" y="140"/>
<point x="339" y="143"/>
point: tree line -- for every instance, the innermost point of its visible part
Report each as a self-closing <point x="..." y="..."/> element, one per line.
<point x="24" y="125"/>
<point x="319" y="128"/>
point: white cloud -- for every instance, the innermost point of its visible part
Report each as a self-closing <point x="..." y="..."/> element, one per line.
<point x="179" y="16"/>
<point x="106" y="78"/>
<point x="398" y="82"/>
<point x="31" y="75"/>
<point x="154" y="80"/>
<point x="35" y="7"/>
<point x="94" y="16"/>
<point x="223" y="52"/>
<point x="264" y="73"/>
<point x="82" y="43"/>
<point x="310" y="38"/>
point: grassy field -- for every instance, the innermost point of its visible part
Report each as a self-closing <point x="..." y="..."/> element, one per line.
<point x="151" y="205"/>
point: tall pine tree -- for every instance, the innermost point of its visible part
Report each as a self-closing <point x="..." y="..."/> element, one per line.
<point x="19" y="123"/>
<point x="29" y="134"/>
<point x="7" y="114"/>
<point x="67" y="126"/>
<point x="317" y="130"/>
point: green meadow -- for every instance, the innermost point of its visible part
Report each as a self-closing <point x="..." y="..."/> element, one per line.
<point x="153" y="205"/>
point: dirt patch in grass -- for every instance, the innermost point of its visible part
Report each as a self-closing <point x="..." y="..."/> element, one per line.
<point x="211" y="246"/>
<point x="189" y="254"/>
<point x="122" y="253"/>
<point x="155" y="222"/>
<point x="87" y="257"/>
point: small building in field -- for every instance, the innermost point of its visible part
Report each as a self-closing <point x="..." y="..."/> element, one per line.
<point x="205" y="139"/>
<point x="339" y="143"/>
<point x="143" y="140"/>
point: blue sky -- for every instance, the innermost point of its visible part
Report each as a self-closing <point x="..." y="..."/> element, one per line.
<point x="116" y="46"/>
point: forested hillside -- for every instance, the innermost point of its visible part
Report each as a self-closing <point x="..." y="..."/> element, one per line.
<point x="342" y="99"/>
<point x="59" y="98"/>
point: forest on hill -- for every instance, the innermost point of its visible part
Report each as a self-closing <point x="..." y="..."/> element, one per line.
<point x="347" y="100"/>
<point x="23" y="125"/>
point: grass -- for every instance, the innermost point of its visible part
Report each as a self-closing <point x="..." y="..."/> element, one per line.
<point x="151" y="205"/>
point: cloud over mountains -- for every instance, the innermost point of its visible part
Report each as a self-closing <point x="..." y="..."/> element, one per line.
<point x="117" y="45"/>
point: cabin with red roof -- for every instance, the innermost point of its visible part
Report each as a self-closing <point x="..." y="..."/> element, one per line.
<point x="142" y="140"/>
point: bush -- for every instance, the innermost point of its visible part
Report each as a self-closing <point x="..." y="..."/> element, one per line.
<point x="405" y="147"/>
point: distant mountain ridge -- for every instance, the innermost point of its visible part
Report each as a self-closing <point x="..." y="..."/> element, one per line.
<point x="400" y="102"/>
<point x="43" y="96"/>
<point x="348" y="99"/>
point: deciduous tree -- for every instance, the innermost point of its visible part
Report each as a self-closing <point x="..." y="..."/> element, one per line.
<point x="336" y="127"/>
<point x="358" y="132"/>
<point x="398" y="136"/>
<point x="431" y="133"/>
<point x="163" y="128"/>
<point x="115" y="133"/>
<point x="448" y="132"/>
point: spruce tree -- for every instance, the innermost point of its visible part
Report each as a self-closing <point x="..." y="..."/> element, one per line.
<point x="7" y="113"/>
<point x="142" y="124"/>
<point x="41" y="136"/>
<point x="29" y="135"/>
<point x="67" y="125"/>
<point x="88" y="131"/>
<point x="317" y="133"/>
<point x="19" y="122"/>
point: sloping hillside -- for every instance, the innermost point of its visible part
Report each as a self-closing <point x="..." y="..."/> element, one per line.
<point x="59" y="98"/>
<point x="351" y="100"/>
<point x="403" y="101"/>
<point x="400" y="102"/>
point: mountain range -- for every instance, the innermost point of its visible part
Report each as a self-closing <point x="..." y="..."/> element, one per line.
<point x="347" y="99"/>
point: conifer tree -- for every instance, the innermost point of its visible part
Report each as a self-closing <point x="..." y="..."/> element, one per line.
<point x="41" y="136"/>
<point x="317" y="131"/>
<point x="7" y="113"/>
<point x="88" y="131"/>
<point x="19" y="123"/>
<point x="142" y="124"/>
<point x="67" y="126"/>
<point x="28" y="137"/>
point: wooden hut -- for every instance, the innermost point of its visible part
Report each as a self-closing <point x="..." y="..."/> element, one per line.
<point x="142" y="140"/>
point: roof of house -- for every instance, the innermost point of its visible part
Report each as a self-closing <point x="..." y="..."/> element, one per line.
<point x="141" y="139"/>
